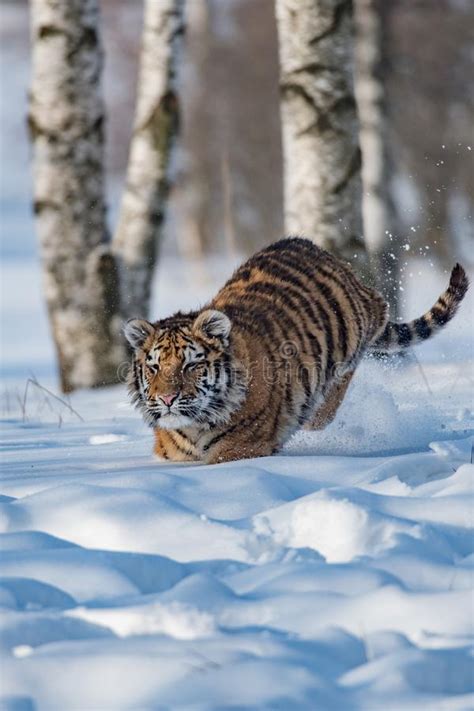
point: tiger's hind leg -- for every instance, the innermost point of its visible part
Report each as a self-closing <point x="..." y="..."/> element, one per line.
<point x="326" y="412"/>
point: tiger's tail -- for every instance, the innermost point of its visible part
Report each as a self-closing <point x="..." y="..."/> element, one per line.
<point x="397" y="336"/>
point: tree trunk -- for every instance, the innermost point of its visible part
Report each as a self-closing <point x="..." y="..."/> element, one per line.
<point x="156" y="119"/>
<point x="66" y="118"/>
<point x="91" y="284"/>
<point x="380" y="218"/>
<point x="322" y="160"/>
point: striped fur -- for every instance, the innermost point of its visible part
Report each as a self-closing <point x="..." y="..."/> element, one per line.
<point x="273" y="351"/>
<point x="398" y="336"/>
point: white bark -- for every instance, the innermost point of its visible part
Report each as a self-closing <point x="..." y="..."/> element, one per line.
<point x="143" y="205"/>
<point x="378" y="207"/>
<point x="66" y="124"/>
<point x="322" y="165"/>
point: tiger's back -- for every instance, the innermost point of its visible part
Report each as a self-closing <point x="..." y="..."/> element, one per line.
<point x="295" y="296"/>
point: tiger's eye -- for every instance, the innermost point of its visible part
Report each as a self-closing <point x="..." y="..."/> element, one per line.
<point x="150" y="364"/>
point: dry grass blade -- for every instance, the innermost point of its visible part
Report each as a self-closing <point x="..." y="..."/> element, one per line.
<point x="423" y="374"/>
<point x="67" y="405"/>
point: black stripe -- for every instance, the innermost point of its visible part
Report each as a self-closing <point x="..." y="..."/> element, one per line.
<point x="185" y="437"/>
<point x="312" y="275"/>
<point x="259" y="325"/>
<point x="266" y="289"/>
<point x="177" y="320"/>
<point x="179" y="447"/>
<point x="304" y="250"/>
<point x="422" y="328"/>
<point x="330" y="267"/>
<point x="225" y="369"/>
<point x="136" y="379"/>
<point x="322" y="313"/>
<point x="163" y="453"/>
<point x="246" y="422"/>
<point x="276" y="421"/>
<point x="294" y="244"/>
<point x="403" y="332"/>
<point x="298" y="288"/>
<point x="297" y="291"/>
<point x="285" y="318"/>
<point x="332" y="300"/>
<point x="439" y="316"/>
<point x="308" y="400"/>
<point x="240" y="318"/>
<point x="384" y="340"/>
<point x="290" y="265"/>
<point x="256" y="315"/>
<point x="328" y="330"/>
<point x="359" y="312"/>
<point x="289" y="398"/>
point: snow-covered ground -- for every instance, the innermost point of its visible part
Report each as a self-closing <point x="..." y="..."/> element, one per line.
<point x="337" y="575"/>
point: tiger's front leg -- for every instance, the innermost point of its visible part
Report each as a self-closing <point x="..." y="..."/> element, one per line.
<point x="233" y="447"/>
<point x="174" y="446"/>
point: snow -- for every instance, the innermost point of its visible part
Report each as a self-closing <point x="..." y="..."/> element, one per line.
<point x="340" y="581"/>
<point x="336" y="575"/>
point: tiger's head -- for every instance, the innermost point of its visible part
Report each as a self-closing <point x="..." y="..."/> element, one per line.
<point x="183" y="372"/>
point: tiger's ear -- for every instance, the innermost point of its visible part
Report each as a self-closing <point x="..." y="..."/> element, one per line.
<point x="212" y="324"/>
<point x="137" y="330"/>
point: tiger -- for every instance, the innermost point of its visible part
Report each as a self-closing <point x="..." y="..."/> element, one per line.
<point x="273" y="351"/>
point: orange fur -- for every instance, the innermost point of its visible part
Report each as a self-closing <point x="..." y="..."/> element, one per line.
<point x="273" y="351"/>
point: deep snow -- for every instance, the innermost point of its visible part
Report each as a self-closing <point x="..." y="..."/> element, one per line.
<point x="337" y="575"/>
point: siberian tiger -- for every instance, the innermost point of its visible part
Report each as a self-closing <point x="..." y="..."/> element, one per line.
<point x="273" y="351"/>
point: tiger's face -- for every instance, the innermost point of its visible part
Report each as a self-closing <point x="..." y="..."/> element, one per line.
<point x="183" y="373"/>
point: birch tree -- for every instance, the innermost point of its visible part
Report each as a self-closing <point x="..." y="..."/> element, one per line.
<point x="380" y="218"/>
<point x="322" y="158"/>
<point x="156" y="121"/>
<point x="66" y="119"/>
<point x="82" y="269"/>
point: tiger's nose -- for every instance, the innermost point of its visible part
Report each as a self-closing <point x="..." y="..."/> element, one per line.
<point x="169" y="398"/>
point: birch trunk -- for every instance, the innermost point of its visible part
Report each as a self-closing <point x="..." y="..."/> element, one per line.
<point x="380" y="218"/>
<point x="156" y="120"/>
<point x="322" y="159"/>
<point x="66" y="119"/>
